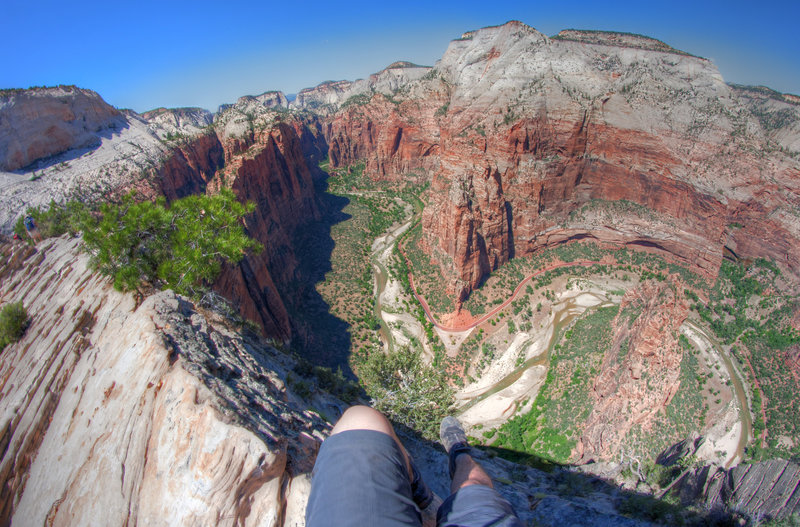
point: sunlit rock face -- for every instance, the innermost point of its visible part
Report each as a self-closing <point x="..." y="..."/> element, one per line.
<point x="175" y="153"/>
<point x="527" y="142"/>
<point x="269" y="161"/>
<point x="43" y="122"/>
<point x="519" y="132"/>
<point x="120" y="413"/>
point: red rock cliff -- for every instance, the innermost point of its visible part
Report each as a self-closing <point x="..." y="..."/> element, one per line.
<point x="190" y="166"/>
<point x="268" y="168"/>
<point x="532" y="142"/>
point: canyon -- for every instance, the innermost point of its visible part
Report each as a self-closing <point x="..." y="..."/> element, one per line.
<point x="164" y="412"/>
<point x="514" y="131"/>
<point x="520" y="143"/>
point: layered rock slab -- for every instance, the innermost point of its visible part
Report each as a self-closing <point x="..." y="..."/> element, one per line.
<point x="115" y="413"/>
<point x="768" y="489"/>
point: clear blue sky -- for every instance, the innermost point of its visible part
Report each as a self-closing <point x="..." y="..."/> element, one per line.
<point x="142" y="54"/>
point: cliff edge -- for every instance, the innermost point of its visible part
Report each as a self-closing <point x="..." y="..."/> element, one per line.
<point x="163" y="413"/>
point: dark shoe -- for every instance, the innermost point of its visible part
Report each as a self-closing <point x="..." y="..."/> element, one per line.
<point x="454" y="441"/>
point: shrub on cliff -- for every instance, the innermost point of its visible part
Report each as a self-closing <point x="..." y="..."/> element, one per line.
<point x="13" y="323"/>
<point x="55" y="220"/>
<point x="181" y="247"/>
<point x="407" y="390"/>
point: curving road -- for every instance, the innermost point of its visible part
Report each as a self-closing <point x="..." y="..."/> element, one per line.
<point x="493" y="312"/>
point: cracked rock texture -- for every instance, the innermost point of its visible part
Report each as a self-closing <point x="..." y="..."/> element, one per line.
<point x="114" y="413"/>
<point x="769" y="489"/>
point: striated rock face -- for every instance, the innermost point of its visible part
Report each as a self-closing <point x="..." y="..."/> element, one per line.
<point x="623" y="397"/>
<point x="266" y="164"/>
<point x="189" y="166"/>
<point x="766" y="490"/>
<point x="270" y="99"/>
<point x="381" y="133"/>
<point x="612" y="38"/>
<point x="522" y="132"/>
<point x="327" y="93"/>
<point x="147" y="414"/>
<point x="44" y="122"/>
<point x="273" y="99"/>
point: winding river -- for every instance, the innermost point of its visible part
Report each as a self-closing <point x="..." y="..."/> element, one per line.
<point x="564" y="314"/>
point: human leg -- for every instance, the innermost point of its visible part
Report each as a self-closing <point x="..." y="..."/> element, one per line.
<point x="364" y="476"/>
<point x="468" y="472"/>
<point x="361" y="417"/>
<point x="365" y="418"/>
<point x="473" y="502"/>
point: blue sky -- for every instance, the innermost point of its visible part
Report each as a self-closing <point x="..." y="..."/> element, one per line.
<point x="144" y="54"/>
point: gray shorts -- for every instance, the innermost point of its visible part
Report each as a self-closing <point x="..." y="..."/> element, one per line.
<point x="360" y="479"/>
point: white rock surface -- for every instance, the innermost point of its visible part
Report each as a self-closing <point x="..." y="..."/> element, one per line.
<point x="42" y="122"/>
<point x="116" y="414"/>
<point x="331" y="94"/>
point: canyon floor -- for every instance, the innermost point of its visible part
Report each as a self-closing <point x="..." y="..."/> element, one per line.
<point x="499" y="355"/>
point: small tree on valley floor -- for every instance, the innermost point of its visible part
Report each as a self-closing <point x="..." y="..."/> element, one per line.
<point x="407" y="390"/>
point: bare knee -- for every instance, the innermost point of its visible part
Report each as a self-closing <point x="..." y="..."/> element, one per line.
<point x="363" y="418"/>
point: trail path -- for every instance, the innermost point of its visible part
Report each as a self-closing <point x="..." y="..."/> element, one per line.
<point x="493" y="312"/>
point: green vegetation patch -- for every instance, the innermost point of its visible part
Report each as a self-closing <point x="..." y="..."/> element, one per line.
<point x="550" y="430"/>
<point x="406" y="390"/>
<point x="348" y="287"/>
<point x="181" y="247"/>
<point x="685" y="414"/>
<point x="139" y="243"/>
<point x="427" y="276"/>
<point x="14" y="321"/>
<point x="749" y="310"/>
<point x="502" y="282"/>
<point x="55" y="220"/>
